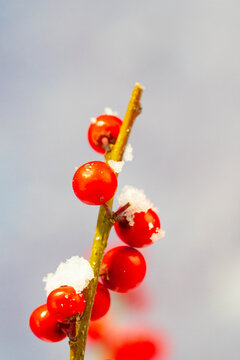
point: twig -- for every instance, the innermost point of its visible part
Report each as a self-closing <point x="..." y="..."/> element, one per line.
<point x="104" y="224"/>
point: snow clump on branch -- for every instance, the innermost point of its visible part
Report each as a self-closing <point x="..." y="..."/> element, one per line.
<point x="128" y="153"/>
<point x="75" y="272"/>
<point x="116" y="165"/>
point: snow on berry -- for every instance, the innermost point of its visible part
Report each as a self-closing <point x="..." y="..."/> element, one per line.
<point x="159" y="234"/>
<point x="108" y="111"/>
<point x="116" y="165"/>
<point x="128" y="153"/>
<point x="93" y="120"/>
<point x="138" y="200"/>
<point x="75" y="272"/>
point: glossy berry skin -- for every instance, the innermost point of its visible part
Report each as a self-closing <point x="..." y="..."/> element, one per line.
<point x="64" y="302"/>
<point x="45" y="326"/>
<point x="123" y="268"/>
<point x="94" y="183"/>
<point x="138" y="235"/>
<point x="106" y="126"/>
<point x="101" y="303"/>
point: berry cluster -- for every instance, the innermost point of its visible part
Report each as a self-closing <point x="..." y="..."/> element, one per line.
<point x="123" y="267"/>
<point x="54" y="320"/>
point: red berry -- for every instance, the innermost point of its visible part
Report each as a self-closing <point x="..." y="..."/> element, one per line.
<point x="101" y="302"/>
<point x="45" y="326"/>
<point x="123" y="268"/>
<point x="139" y="234"/>
<point x="94" y="183"/>
<point x="136" y="348"/>
<point x="64" y="303"/>
<point x="106" y="126"/>
<point x="99" y="329"/>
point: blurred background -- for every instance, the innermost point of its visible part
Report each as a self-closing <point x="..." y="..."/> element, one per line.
<point x="61" y="63"/>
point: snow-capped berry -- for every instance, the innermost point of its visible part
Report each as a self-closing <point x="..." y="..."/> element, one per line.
<point x="64" y="303"/>
<point x="101" y="302"/>
<point x="94" y="183"/>
<point x="123" y="268"/>
<point x="140" y="233"/>
<point x="102" y="131"/>
<point x="45" y="326"/>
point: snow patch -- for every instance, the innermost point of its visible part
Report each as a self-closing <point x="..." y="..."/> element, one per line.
<point x="75" y="272"/>
<point x="159" y="234"/>
<point x="138" y="200"/>
<point x="128" y="153"/>
<point x="93" y="120"/>
<point x="109" y="111"/>
<point x="150" y="226"/>
<point x="116" y="165"/>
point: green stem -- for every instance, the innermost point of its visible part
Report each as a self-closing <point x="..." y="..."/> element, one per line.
<point x="104" y="224"/>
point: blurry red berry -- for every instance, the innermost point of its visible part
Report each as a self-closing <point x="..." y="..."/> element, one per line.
<point x="139" y="344"/>
<point x="106" y="127"/>
<point x="95" y="330"/>
<point x="101" y="302"/>
<point x="94" y="183"/>
<point x="139" y="234"/>
<point x="136" y="348"/>
<point x="123" y="268"/>
<point x="45" y="326"/>
<point x="64" y="303"/>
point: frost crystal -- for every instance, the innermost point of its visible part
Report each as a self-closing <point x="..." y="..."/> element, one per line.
<point x="138" y="200"/>
<point x="159" y="234"/>
<point x="108" y="111"/>
<point x="75" y="272"/>
<point x="128" y="153"/>
<point x="116" y="165"/>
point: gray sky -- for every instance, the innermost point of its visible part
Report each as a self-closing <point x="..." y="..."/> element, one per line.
<point x="62" y="62"/>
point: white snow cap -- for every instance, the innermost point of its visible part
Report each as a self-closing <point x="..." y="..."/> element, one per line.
<point x="138" y="200"/>
<point x="128" y="153"/>
<point x="116" y="165"/>
<point x="139" y="203"/>
<point x="75" y="272"/>
<point x="108" y="111"/>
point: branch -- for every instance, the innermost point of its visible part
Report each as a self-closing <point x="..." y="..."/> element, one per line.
<point x="104" y="223"/>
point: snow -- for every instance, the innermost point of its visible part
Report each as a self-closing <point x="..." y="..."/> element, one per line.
<point x="150" y="226"/>
<point x="108" y="111"/>
<point x="116" y="165"/>
<point x="128" y="153"/>
<point x="159" y="234"/>
<point x="75" y="272"/>
<point x="93" y="120"/>
<point x="138" y="200"/>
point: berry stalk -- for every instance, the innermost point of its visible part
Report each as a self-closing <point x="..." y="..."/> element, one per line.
<point x="104" y="224"/>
